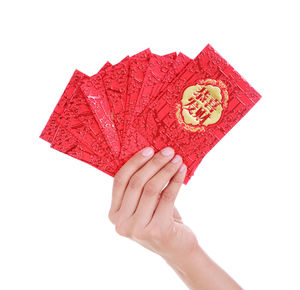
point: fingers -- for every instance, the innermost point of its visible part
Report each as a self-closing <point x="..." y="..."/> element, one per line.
<point x="165" y="208"/>
<point x="139" y="179"/>
<point x="153" y="188"/>
<point x="138" y="189"/>
<point x="124" y="174"/>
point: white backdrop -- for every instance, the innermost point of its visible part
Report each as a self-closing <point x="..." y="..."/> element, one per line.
<point x="243" y="202"/>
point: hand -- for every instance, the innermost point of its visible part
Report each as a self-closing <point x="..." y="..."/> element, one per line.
<point x="142" y="207"/>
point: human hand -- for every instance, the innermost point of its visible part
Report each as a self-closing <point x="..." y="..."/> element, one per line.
<point x="142" y="207"/>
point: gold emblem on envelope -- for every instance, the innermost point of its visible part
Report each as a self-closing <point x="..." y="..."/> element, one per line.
<point x="202" y="105"/>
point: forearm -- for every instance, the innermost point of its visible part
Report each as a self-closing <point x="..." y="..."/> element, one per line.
<point x="198" y="271"/>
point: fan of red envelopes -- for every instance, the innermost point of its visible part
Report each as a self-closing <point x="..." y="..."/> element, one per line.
<point x="149" y="100"/>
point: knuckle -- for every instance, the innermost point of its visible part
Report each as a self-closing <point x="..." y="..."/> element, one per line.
<point x="111" y="217"/>
<point x="177" y="179"/>
<point x="157" y="160"/>
<point x="118" y="179"/>
<point x="168" y="196"/>
<point x="135" y="182"/>
<point x="138" y="233"/>
<point x="151" y="188"/>
<point x="170" y="169"/>
<point x="122" y="229"/>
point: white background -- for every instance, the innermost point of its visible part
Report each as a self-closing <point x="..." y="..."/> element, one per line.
<point x="243" y="202"/>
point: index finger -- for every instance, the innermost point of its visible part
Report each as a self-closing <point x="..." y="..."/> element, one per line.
<point x="122" y="177"/>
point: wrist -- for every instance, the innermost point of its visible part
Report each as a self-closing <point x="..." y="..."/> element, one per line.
<point x="198" y="271"/>
<point x="183" y="261"/>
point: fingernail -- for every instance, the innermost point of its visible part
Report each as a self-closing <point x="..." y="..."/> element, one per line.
<point x="148" y="151"/>
<point x="167" y="151"/>
<point x="176" y="159"/>
<point x="182" y="168"/>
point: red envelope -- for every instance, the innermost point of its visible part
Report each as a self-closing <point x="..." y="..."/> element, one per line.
<point x="176" y="66"/>
<point x="154" y="79"/>
<point x="73" y="115"/>
<point x="106" y="94"/>
<point x="196" y="111"/>
<point x="149" y="100"/>
<point x="52" y="125"/>
<point x="138" y="65"/>
<point x="115" y="84"/>
<point x="79" y="120"/>
<point x="66" y="143"/>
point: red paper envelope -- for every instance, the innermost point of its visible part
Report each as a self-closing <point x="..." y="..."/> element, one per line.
<point x="147" y="72"/>
<point x="198" y="108"/>
<point x="138" y="65"/>
<point x="154" y="79"/>
<point x="52" y="125"/>
<point x="79" y="120"/>
<point x="161" y="72"/>
<point x="176" y="66"/>
<point x="66" y="143"/>
<point x="105" y="101"/>
<point x="73" y="115"/>
<point x="115" y="84"/>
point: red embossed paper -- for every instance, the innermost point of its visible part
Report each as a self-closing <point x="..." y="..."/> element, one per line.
<point x="197" y="109"/>
<point x="149" y="100"/>
<point x="106" y="93"/>
<point x="72" y="123"/>
<point x="138" y="65"/>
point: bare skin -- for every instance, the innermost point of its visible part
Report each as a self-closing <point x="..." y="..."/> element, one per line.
<point x="142" y="209"/>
